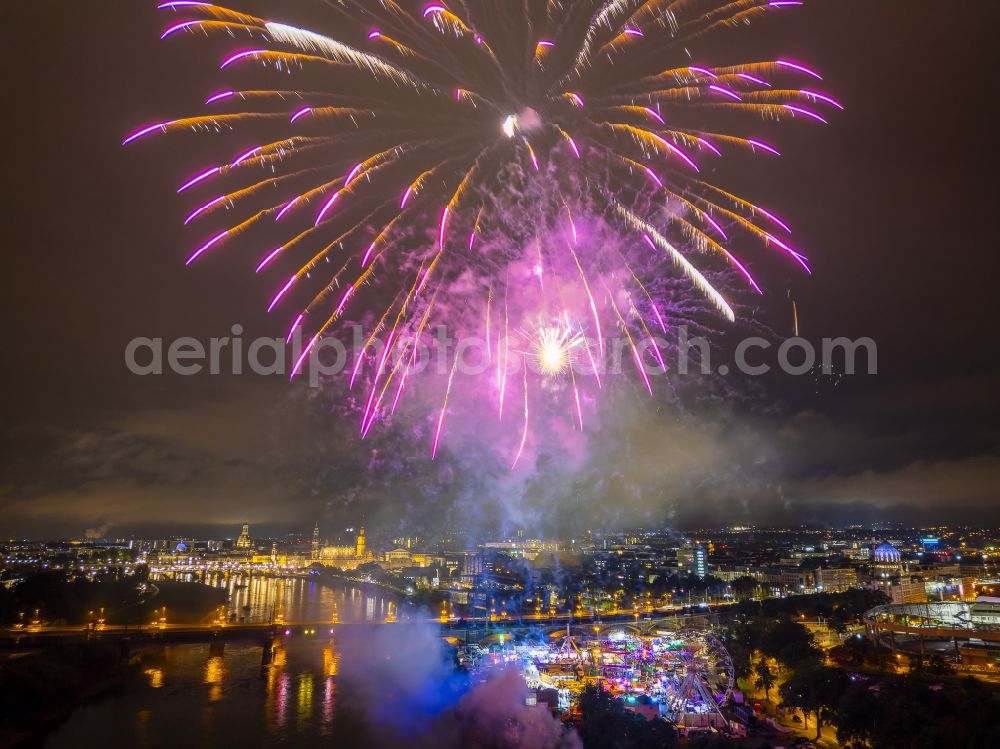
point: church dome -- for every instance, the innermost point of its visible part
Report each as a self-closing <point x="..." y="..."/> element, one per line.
<point x="886" y="552"/>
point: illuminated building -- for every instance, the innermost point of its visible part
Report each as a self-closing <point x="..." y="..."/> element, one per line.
<point x="360" y="550"/>
<point x="797" y="580"/>
<point x="407" y="542"/>
<point x="274" y="558"/>
<point x="346" y="557"/>
<point x="887" y="562"/>
<point x="685" y="557"/>
<point x="243" y="542"/>
<point x="398" y="557"/>
<point x="472" y="564"/>
<point x="836" y="580"/>
<point x="930" y="543"/>
<point x="857" y="552"/>
<point x="980" y="655"/>
<point x="908" y="590"/>
<point x="524" y="548"/>
<point x="985" y="611"/>
<point x="699" y="567"/>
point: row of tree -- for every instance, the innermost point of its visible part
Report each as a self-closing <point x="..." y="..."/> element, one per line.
<point x="867" y="706"/>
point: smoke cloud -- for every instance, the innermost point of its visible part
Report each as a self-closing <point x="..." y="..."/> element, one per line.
<point x="398" y="687"/>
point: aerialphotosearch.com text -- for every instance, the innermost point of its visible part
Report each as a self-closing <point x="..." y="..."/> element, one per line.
<point x="315" y="360"/>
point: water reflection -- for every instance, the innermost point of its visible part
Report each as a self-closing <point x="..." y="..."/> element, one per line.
<point x="239" y="698"/>
<point x="330" y="660"/>
<point x="305" y="698"/>
<point x="213" y="677"/>
<point x="155" y="677"/>
<point x="261" y="599"/>
<point x="142" y="725"/>
<point x="282" y="711"/>
<point x="327" y="715"/>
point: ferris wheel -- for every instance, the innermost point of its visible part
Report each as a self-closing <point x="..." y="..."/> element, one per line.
<point x="704" y="678"/>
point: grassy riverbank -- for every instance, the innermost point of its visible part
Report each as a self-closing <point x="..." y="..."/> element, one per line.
<point x="39" y="690"/>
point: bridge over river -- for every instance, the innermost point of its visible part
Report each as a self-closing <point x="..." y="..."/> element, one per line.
<point x="468" y="630"/>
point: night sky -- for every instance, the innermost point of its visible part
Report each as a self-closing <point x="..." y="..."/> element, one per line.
<point x="895" y="202"/>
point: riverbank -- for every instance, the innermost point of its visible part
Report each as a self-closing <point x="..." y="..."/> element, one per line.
<point x="185" y="603"/>
<point x="39" y="691"/>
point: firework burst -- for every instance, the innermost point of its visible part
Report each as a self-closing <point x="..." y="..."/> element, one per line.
<point x="381" y="154"/>
<point x="552" y="348"/>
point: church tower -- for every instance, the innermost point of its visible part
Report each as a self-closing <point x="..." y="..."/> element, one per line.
<point x="244" y="542"/>
<point x="360" y="552"/>
<point x="315" y="543"/>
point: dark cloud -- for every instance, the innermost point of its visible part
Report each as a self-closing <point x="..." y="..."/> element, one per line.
<point x="284" y="459"/>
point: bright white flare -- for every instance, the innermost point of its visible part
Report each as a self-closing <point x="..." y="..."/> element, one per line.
<point x="552" y="348"/>
<point x="527" y="121"/>
<point x="509" y="126"/>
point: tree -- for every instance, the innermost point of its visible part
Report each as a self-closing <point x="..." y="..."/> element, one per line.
<point x="796" y="692"/>
<point x="855" y="652"/>
<point x="744" y="587"/>
<point x="837" y="625"/>
<point x="764" y="677"/>
<point x="815" y="689"/>
<point x="913" y="713"/>
<point x="856" y="715"/>
<point x="797" y="655"/>
<point x="830" y="687"/>
<point x="782" y="635"/>
<point x="608" y="724"/>
<point x="740" y="656"/>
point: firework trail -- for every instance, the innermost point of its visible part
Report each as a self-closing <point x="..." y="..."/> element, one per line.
<point x="419" y="117"/>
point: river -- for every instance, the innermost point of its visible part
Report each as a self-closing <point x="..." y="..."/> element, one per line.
<point x="197" y="696"/>
<point x="203" y="696"/>
<point x="253" y="598"/>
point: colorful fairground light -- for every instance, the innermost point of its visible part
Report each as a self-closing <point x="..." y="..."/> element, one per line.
<point x="684" y="676"/>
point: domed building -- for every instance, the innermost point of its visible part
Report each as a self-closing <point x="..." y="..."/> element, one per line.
<point x="244" y="542"/>
<point x="887" y="562"/>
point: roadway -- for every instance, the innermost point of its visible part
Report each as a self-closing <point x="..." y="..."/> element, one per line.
<point x="481" y="627"/>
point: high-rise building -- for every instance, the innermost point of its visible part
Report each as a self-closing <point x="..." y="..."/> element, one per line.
<point x="685" y="556"/>
<point x="699" y="565"/>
